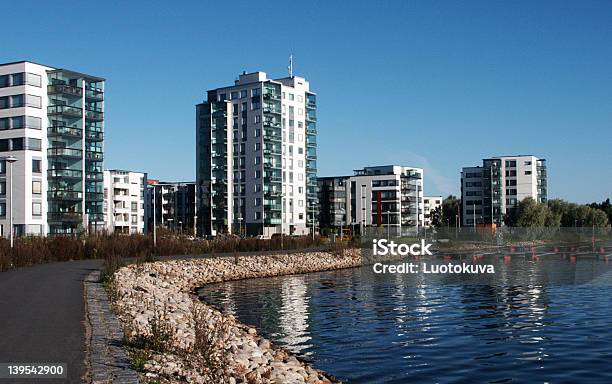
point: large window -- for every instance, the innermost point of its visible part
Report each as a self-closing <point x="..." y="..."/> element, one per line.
<point x="21" y="78"/>
<point x="36" y="209"/>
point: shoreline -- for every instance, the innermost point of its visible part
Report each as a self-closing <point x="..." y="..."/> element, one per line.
<point x="162" y="296"/>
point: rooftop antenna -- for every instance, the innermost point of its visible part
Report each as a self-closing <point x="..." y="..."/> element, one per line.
<point x="290" y="67"/>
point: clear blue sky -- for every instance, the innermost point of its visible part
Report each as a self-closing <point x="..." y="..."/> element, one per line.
<point x="438" y="85"/>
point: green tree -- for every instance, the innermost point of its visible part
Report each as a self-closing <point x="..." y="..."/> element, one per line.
<point x="436" y="217"/>
<point x="450" y="209"/>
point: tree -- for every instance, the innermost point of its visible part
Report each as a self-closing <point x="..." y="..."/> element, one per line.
<point x="450" y="209"/>
<point x="436" y="217"/>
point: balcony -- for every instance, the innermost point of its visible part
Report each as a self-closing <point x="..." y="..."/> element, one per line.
<point x="271" y="96"/>
<point x="65" y="152"/>
<point x="94" y="115"/>
<point x="64" y="217"/>
<point x="95" y="156"/>
<point x="273" y="207"/>
<point x="94" y="94"/>
<point x="94" y="136"/>
<point x="94" y="196"/>
<point x="65" y="195"/>
<point x="64" y="110"/>
<point x="311" y="131"/>
<point x="271" y="124"/>
<point x="65" y="89"/>
<point x="65" y="173"/>
<point x="271" y="109"/>
<point x="94" y="176"/>
<point x="64" y="130"/>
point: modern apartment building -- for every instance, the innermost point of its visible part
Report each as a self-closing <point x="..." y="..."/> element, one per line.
<point x="175" y="205"/>
<point x="256" y="157"/>
<point x="332" y="195"/>
<point x="124" y="201"/>
<point x="488" y="191"/>
<point x="430" y="204"/>
<point x="52" y="131"/>
<point x="380" y="196"/>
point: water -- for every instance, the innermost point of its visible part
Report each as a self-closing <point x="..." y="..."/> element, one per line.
<point x="536" y="321"/>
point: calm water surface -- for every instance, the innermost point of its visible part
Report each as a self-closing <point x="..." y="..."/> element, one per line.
<point x="547" y="320"/>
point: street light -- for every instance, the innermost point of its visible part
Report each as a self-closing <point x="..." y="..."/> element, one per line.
<point x="11" y="159"/>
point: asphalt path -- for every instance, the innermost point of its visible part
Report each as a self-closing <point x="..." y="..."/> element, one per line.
<point x="42" y="317"/>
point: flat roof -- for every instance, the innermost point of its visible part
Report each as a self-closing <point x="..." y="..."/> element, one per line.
<point x="54" y="70"/>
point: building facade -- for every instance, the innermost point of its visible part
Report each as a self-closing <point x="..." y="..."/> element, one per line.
<point x="430" y="204"/>
<point x="175" y="205"/>
<point x="332" y="201"/>
<point x="52" y="132"/>
<point x="256" y="157"/>
<point x="124" y="201"/>
<point x="490" y="190"/>
<point x="382" y="196"/>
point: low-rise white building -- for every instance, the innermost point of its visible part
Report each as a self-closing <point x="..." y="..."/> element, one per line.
<point x="124" y="201"/>
<point x="490" y="190"/>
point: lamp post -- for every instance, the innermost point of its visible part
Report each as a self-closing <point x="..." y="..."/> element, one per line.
<point x="11" y="160"/>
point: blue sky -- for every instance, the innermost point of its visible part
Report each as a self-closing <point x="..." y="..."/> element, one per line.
<point x="438" y="85"/>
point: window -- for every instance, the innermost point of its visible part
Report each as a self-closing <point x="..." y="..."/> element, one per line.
<point x="222" y="97"/>
<point x="257" y="215"/>
<point x="33" y="144"/>
<point x="300" y="151"/>
<point x="257" y="174"/>
<point x="510" y="163"/>
<point x="300" y="112"/>
<point x="36" y="209"/>
<point x="243" y="94"/>
<point x="257" y="146"/>
<point x="235" y="113"/>
<point x="300" y="98"/>
<point x="258" y="201"/>
<point x="257" y="119"/>
<point x="134" y="206"/>
<point x="2" y="209"/>
<point x="2" y="167"/>
<point x="255" y="92"/>
<point x="528" y="172"/>
<point x="36" y="187"/>
<point x="291" y="96"/>
<point x="2" y="188"/>
<point x="235" y="95"/>
<point x="257" y="160"/>
<point x="510" y="182"/>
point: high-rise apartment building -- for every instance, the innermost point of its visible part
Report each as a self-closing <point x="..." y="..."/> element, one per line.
<point x="124" y="201"/>
<point x="52" y="132"/>
<point x="380" y="196"/>
<point x="488" y="191"/>
<point x="256" y="157"/>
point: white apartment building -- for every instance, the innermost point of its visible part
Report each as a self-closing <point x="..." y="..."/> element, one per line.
<point x="52" y="130"/>
<point x="124" y="201"/>
<point x="488" y="191"/>
<point x="385" y="195"/>
<point x="256" y="157"/>
<point x="430" y="203"/>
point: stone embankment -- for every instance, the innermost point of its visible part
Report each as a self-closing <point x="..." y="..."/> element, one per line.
<point x="186" y="340"/>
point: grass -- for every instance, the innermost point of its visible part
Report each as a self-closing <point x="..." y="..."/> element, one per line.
<point x="114" y="248"/>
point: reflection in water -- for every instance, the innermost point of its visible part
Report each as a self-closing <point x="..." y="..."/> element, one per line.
<point x="544" y="320"/>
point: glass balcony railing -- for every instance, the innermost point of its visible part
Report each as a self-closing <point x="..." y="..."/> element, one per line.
<point x="94" y="115"/>
<point x="63" y="130"/>
<point x="65" y="173"/>
<point x="98" y="156"/>
<point x="94" y="136"/>
<point x="64" y="195"/>
<point x="65" y="152"/>
<point x="271" y="96"/>
<point x="63" y="217"/>
<point x="94" y="94"/>
<point x="64" y="110"/>
<point x="65" y="89"/>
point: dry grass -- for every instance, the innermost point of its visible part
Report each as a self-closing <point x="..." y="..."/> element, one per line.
<point x="114" y="248"/>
